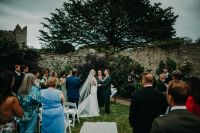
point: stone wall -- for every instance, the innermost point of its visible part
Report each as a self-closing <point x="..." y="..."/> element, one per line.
<point x="148" y="57"/>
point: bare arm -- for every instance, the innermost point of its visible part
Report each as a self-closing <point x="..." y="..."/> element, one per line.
<point x="17" y="109"/>
<point x="94" y="82"/>
<point x="62" y="97"/>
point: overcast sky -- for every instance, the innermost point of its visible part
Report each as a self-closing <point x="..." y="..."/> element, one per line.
<point x="30" y="13"/>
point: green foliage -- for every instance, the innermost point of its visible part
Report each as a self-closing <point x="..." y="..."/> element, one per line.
<point x="185" y="69"/>
<point x="110" y="24"/>
<point x="120" y="67"/>
<point x="11" y="54"/>
<point x="169" y="43"/>
<point x="169" y="63"/>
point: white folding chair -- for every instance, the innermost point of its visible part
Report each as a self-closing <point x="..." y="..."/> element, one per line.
<point x="40" y="119"/>
<point x="67" y="122"/>
<point x="71" y="109"/>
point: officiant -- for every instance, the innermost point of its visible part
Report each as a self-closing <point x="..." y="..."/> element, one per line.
<point x="100" y="80"/>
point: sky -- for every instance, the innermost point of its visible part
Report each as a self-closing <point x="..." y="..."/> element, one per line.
<point x="31" y="12"/>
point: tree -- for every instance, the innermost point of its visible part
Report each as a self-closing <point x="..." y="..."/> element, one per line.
<point x="108" y="23"/>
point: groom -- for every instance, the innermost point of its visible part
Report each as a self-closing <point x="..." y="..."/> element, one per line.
<point x="106" y="87"/>
<point x="73" y="85"/>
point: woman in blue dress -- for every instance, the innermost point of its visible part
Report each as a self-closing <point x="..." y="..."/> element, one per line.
<point x="52" y="113"/>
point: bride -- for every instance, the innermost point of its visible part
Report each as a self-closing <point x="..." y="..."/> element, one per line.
<point x="88" y="104"/>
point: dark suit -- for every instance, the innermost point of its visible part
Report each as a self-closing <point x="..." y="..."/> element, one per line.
<point x="146" y="105"/>
<point x="17" y="82"/>
<point x="106" y="87"/>
<point x="73" y="84"/>
<point x="177" y="121"/>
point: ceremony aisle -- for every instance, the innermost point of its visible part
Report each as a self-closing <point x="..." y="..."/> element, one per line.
<point x="119" y="114"/>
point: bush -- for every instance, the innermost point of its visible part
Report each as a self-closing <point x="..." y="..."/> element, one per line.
<point x="120" y="67"/>
<point x="170" y="63"/>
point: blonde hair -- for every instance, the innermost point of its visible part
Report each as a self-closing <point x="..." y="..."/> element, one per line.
<point x="52" y="82"/>
<point x="27" y="84"/>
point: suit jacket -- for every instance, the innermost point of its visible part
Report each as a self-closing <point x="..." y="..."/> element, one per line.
<point x="146" y="105"/>
<point x="107" y="85"/>
<point x="17" y="82"/>
<point x="73" y="85"/>
<point x="177" y="121"/>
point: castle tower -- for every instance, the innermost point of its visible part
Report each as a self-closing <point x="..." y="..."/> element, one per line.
<point x="21" y="36"/>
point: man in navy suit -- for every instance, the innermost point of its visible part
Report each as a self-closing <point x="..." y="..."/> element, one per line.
<point x="73" y="85"/>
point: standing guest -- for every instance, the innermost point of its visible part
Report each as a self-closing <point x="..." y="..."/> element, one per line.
<point x="36" y="74"/>
<point x="168" y="76"/>
<point x="193" y="101"/>
<point x="73" y="85"/>
<point x="43" y="80"/>
<point x="100" y="80"/>
<point x="69" y="74"/>
<point x="146" y="105"/>
<point x="132" y="81"/>
<point x="17" y="79"/>
<point x="30" y="98"/>
<point x="176" y="75"/>
<point x="52" y="114"/>
<point x="62" y="83"/>
<point x="161" y="84"/>
<point x="55" y="75"/>
<point x="9" y="104"/>
<point x="106" y="87"/>
<point x="179" y="120"/>
<point x="24" y="70"/>
<point x="154" y="79"/>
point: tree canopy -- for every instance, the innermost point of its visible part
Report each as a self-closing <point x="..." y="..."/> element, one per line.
<point x="112" y="24"/>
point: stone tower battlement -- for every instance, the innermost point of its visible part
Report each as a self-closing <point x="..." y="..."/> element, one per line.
<point x="19" y="35"/>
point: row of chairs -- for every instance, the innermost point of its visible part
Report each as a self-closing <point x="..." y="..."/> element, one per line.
<point x="71" y="115"/>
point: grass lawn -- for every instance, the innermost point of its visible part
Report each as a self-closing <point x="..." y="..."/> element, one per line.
<point x="119" y="114"/>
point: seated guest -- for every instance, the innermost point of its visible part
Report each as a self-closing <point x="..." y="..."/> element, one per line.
<point x="176" y="75"/>
<point x="52" y="113"/>
<point x="29" y="97"/>
<point x="146" y="105"/>
<point x="193" y="101"/>
<point x="179" y="120"/>
<point x="9" y="104"/>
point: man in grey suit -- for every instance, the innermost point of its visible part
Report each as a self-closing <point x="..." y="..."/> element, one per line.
<point x="179" y="120"/>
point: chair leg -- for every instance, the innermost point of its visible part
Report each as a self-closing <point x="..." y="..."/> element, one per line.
<point x="74" y="119"/>
<point x="69" y="129"/>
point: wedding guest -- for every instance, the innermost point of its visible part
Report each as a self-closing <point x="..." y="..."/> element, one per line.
<point x="154" y="78"/>
<point x="43" y="80"/>
<point x="9" y="104"/>
<point x="176" y="75"/>
<point x="17" y="79"/>
<point x="178" y="120"/>
<point x="100" y="80"/>
<point x="73" y="85"/>
<point x="55" y="75"/>
<point x="36" y="73"/>
<point x="193" y="101"/>
<point x="161" y="84"/>
<point x="24" y="70"/>
<point x="52" y="113"/>
<point x="29" y="98"/>
<point x="62" y="83"/>
<point x="146" y="105"/>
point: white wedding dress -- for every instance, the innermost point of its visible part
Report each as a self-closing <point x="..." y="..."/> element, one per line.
<point x="88" y="105"/>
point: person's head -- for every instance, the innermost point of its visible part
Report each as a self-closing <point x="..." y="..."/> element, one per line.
<point x="99" y="73"/>
<point x="93" y="72"/>
<point x="17" y="68"/>
<point x="147" y="79"/>
<point x="165" y="70"/>
<point x="106" y="72"/>
<point x="63" y="74"/>
<point x="148" y="71"/>
<point x="24" y="69"/>
<point x="54" y="74"/>
<point x="176" y="75"/>
<point x="177" y="93"/>
<point x="6" y="82"/>
<point x="74" y="72"/>
<point x="27" y="83"/>
<point x="52" y="82"/>
<point x="194" y="85"/>
<point x="36" y="73"/>
<point x="162" y="77"/>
